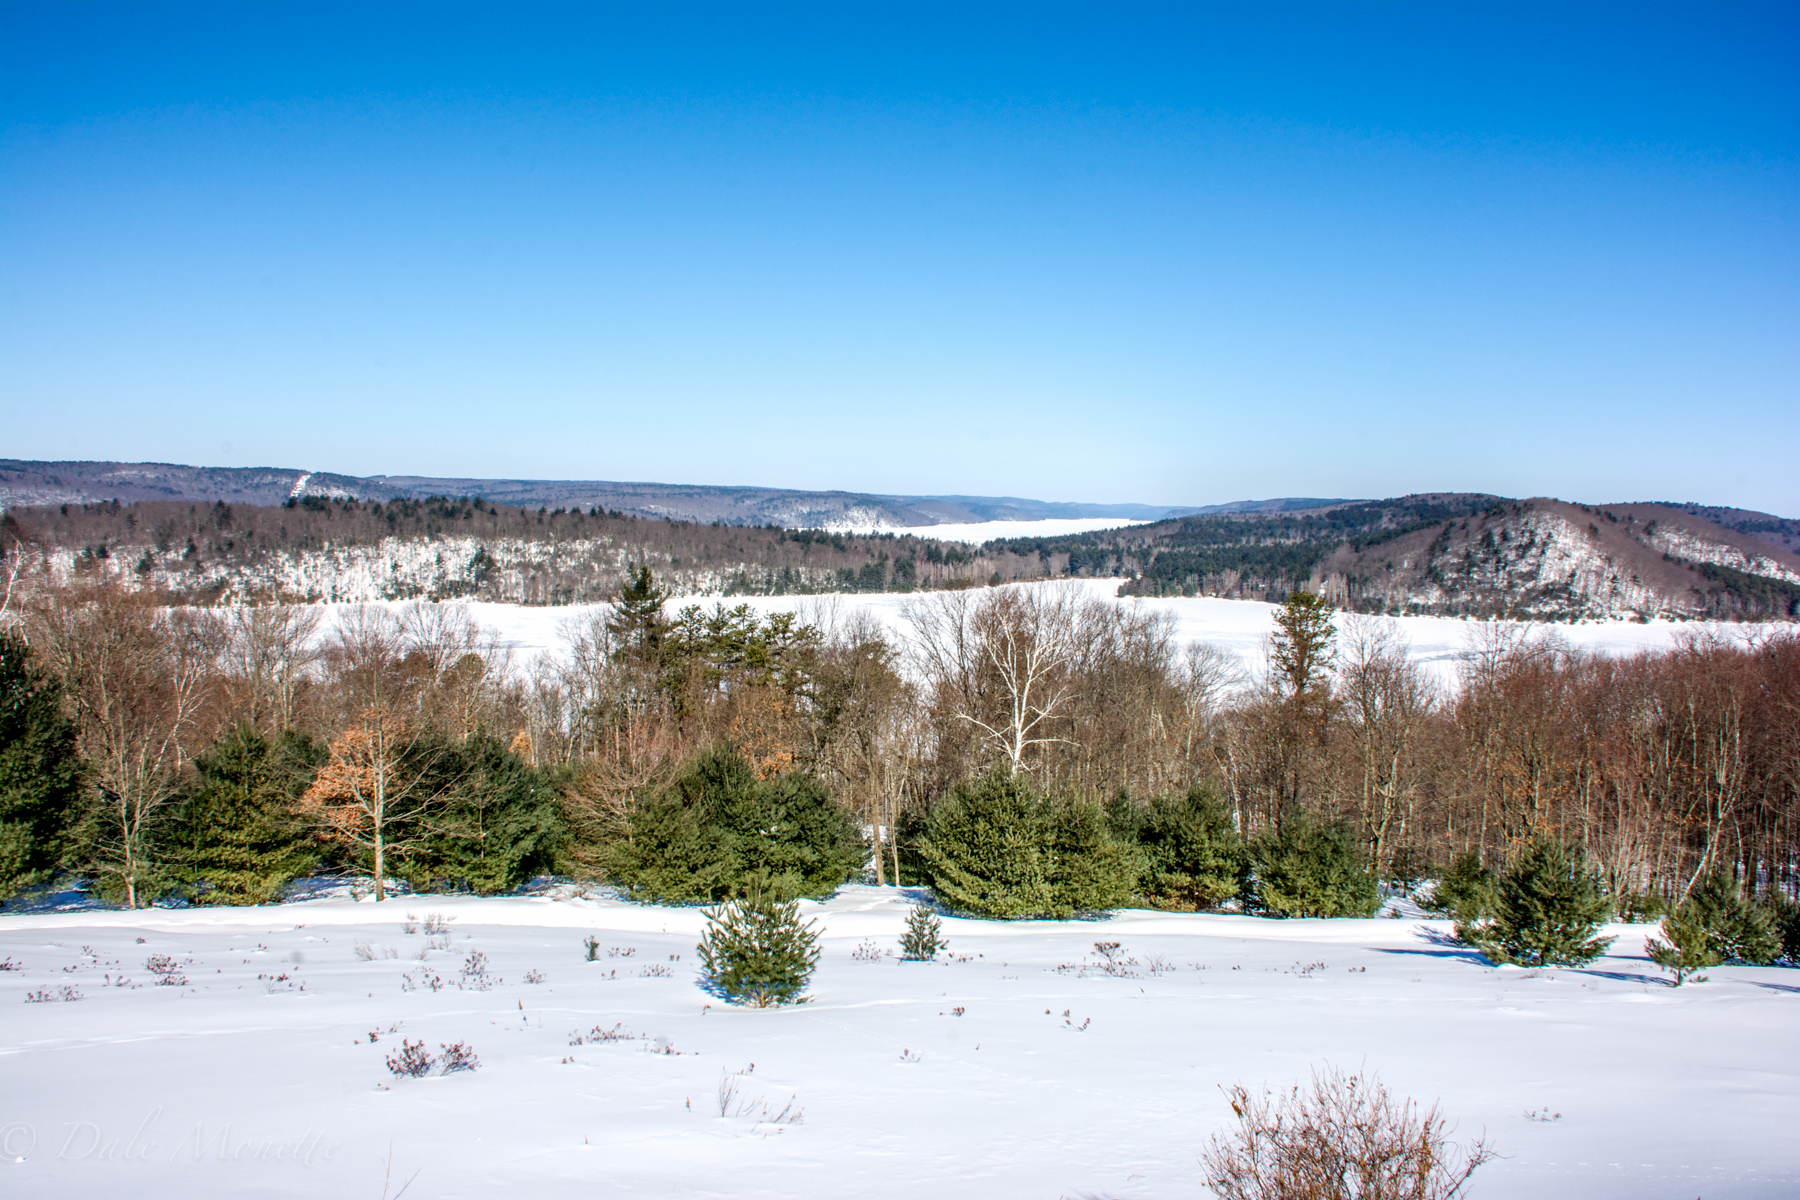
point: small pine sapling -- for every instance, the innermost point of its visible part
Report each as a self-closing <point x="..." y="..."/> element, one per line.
<point x="757" y="951"/>
<point x="924" y="935"/>
<point x="1688" y="948"/>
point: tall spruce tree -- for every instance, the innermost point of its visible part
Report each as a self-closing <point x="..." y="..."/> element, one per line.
<point x="236" y="838"/>
<point x="40" y="771"/>
<point x="1547" y="908"/>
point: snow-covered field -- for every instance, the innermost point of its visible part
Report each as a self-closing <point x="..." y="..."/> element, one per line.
<point x="1238" y="626"/>
<point x="1017" y="1068"/>
<point x="977" y="532"/>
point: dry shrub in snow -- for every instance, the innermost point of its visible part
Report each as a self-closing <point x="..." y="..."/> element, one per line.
<point x="1341" y="1138"/>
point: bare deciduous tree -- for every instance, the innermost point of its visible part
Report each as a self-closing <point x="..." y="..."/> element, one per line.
<point x="136" y="676"/>
<point x="1000" y="660"/>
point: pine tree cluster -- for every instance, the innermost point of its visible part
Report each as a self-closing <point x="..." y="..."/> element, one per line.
<point x="1716" y="924"/>
<point x="719" y="826"/>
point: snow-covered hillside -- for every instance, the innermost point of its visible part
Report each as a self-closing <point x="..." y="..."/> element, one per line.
<point x="1022" y="1064"/>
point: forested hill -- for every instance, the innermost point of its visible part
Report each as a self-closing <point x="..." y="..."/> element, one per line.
<point x="28" y="483"/>
<point x="336" y="549"/>
<point x="1457" y="554"/>
<point x="1443" y="554"/>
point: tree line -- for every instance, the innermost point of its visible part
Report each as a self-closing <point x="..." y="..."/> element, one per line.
<point x="461" y="548"/>
<point x="1021" y="750"/>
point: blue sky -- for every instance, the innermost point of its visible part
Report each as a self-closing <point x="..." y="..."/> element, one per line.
<point x="1179" y="254"/>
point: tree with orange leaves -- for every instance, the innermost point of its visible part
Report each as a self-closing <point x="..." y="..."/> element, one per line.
<point x="377" y="789"/>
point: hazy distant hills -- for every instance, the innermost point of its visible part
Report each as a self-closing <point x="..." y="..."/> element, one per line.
<point x="24" y="483"/>
<point x="206" y="534"/>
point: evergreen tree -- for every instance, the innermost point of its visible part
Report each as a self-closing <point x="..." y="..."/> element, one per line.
<point x="985" y="849"/>
<point x="757" y="951"/>
<point x="1304" y="869"/>
<point x="1194" y="859"/>
<point x="40" y="772"/>
<point x="1301" y="650"/>
<point x="924" y="935"/>
<point x="1547" y="908"/>
<point x="1688" y="948"/>
<point x="637" y="623"/>
<point x="1785" y="914"/>
<point x="499" y="827"/>
<point x="718" y="825"/>
<point x="1737" y="930"/>
<point x="1466" y="891"/>
<point x="996" y="848"/>
<point x="237" y="838"/>
<point x="673" y="853"/>
<point x="1090" y="869"/>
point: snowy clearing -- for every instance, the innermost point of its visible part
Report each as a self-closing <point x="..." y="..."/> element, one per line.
<point x="977" y="532"/>
<point x="1019" y="1067"/>
<point x="1238" y="626"/>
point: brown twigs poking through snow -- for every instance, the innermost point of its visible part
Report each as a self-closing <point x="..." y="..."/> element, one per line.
<point x="430" y="979"/>
<point x="866" y="951"/>
<point x="166" y="969"/>
<point x="458" y="1056"/>
<point x="760" y="1111"/>
<point x="413" y="1061"/>
<point x="593" y="947"/>
<point x="437" y="924"/>
<point x="8" y="964"/>
<point x="63" y="995"/>
<point x="600" y="1035"/>
<point x="1115" y="962"/>
<point x="369" y="953"/>
<point x="475" y="972"/>
<point x="1343" y="1137"/>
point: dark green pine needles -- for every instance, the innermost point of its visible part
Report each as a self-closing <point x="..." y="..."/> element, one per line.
<point x="40" y="774"/>
<point x="757" y="951"/>
<point x="1305" y="869"/>
<point x="1546" y="909"/>
<point x="924" y="935"/>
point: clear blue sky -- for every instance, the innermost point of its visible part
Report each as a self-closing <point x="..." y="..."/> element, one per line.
<point x="1174" y="254"/>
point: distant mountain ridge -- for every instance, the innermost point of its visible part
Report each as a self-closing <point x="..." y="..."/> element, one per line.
<point x="26" y="483"/>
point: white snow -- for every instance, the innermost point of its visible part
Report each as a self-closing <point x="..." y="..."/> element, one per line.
<point x="258" y="1077"/>
<point x="1239" y="626"/>
<point x="977" y="532"/>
